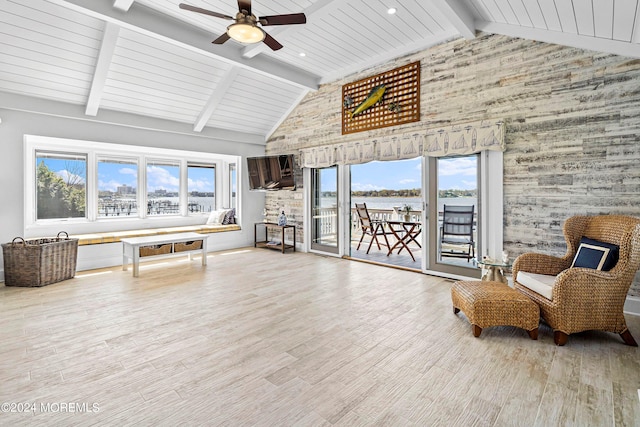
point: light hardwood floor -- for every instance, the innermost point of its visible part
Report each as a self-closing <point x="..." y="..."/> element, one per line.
<point x="261" y="338"/>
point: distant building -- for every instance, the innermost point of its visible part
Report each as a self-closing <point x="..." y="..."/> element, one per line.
<point x="125" y="189"/>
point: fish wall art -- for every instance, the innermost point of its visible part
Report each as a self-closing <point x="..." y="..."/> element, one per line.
<point x="386" y="99"/>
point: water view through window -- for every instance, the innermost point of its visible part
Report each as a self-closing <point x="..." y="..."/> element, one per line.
<point x="457" y="224"/>
<point x="163" y="186"/>
<point x="117" y="188"/>
<point x="388" y="185"/>
<point x="393" y="193"/>
<point x="385" y="185"/>
<point x="201" y="188"/>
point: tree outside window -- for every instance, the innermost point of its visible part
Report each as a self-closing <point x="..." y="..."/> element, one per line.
<point x="61" y="186"/>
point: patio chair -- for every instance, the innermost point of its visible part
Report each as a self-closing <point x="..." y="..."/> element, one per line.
<point x="586" y="289"/>
<point x="370" y="227"/>
<point x="457" y="232"/>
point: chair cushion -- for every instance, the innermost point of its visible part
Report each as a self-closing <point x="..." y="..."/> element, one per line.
<point x="596" y="255"/>
<point x="539" y="283"/>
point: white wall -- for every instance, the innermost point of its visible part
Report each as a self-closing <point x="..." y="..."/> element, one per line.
<point x="15" y="124"/>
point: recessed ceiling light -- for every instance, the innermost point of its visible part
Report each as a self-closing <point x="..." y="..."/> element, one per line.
<point x="392" y="10"/>
<point x="302" y="54"/>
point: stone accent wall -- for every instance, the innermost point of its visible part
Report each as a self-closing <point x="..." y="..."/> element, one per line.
<point x="572" y="122"/>
<point x="291" y="202"/>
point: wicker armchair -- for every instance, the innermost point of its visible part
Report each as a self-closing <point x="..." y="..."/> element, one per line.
<point x="581" y="298"/>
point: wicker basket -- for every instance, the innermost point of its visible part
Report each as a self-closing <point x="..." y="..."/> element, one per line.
<point x="155" y="250"/>
<point x="39" y="262"/>
<point x="188" y="246"/>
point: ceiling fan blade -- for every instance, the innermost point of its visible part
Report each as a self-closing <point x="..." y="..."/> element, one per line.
<point x="271" y="42"/>
<point x="205" y="11"/>
<point x="244" y="5"/>
<point x="223" y="38"/>
<point x="292" y="18"/>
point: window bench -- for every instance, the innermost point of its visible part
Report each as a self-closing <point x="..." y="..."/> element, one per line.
<point x="115" y="236"/>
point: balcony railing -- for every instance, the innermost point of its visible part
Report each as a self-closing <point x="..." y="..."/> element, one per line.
<point x="328" y="218"/>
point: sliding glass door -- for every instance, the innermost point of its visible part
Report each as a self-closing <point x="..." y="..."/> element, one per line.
<point x="430" y="226"/>
<point x="454" y="214"/>
<point x="324" y="210"/>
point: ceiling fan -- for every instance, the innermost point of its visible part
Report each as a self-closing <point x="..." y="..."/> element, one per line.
<point x="246" y="29"/>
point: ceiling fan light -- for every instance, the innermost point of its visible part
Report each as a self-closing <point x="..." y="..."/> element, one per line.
<point x="245" y="33"/>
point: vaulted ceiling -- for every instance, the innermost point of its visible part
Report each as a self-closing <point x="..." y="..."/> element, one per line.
<point x="151" y="58"/>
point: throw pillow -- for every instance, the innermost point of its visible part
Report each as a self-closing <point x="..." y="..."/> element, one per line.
<point x="595" y="254"/>
<point x="230" y="217"/>
<point x="216" y="217"/>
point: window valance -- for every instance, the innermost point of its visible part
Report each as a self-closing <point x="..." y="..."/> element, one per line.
<point x="464" y="139"/>
<point x="438" y="142"/>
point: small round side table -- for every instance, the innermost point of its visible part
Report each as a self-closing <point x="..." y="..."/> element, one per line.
<point x="494" y="270"/>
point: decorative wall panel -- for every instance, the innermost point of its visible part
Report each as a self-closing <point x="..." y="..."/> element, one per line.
<point x="399" y="91"/>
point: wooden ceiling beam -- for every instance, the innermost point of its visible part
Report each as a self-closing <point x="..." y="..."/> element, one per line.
<point x="48" y="107"/>
<point x="222" y="87"/>
<point x="108" y="46"/>
<point x="458" y="15"/>
<point x="596" y="44"/>
<point x="123" y="5"/>
<point x="155" y="24"/>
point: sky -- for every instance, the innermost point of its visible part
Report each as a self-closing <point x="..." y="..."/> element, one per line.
<point x="453" y="173"/>
<point x="112" y="175"/>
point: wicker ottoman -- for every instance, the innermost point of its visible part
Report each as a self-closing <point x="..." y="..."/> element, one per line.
<point x="492" y="304"/>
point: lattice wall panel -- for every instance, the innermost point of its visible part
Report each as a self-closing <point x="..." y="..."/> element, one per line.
<point x="402" y="89"/>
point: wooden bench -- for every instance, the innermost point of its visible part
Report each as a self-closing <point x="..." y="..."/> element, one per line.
<point x="117" y="236"/>
<point x="162" y="245"/>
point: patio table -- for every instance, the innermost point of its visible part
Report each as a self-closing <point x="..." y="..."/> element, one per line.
<point x="405" y="232"/>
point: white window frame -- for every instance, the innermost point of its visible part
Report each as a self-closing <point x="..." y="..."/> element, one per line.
<point x="100" y="151"/>
<point x="108" y="158"/>
<point x="34" y="192"/>
<point x="232" y="167"/>
<point x="182" y="183"/>
<point x="215" y="166"/>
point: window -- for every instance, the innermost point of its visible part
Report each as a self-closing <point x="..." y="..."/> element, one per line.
<point x="457" y="181"/>
<point x="61" y="182"/>
<point x="90" y="187"/>
<point x="163" y="186"/>
<point x="201" y="188"/>
<point x="117" y="188"/>
<point x="232" y="186"/>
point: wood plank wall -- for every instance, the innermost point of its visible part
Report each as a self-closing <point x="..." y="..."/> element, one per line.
<point x="572" y="129"/>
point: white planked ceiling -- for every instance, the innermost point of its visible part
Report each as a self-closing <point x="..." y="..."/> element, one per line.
<point x="151" y="58"/>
